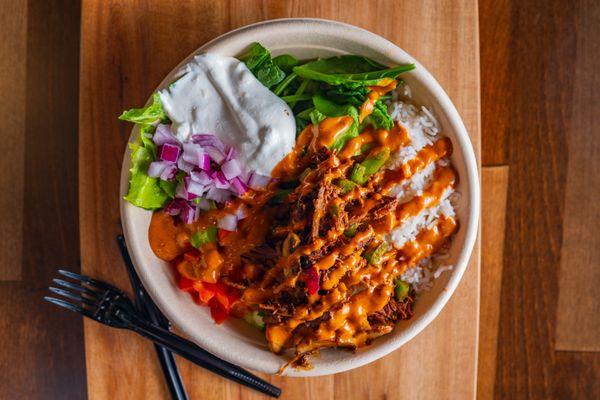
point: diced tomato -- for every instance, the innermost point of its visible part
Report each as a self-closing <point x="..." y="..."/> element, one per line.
<point x="217" y="311"/>
<point x="204" y="292"/>
<point x="311" y="277"/>
<point x="192" y="255"/>
<point x="186" y="284"/>
<point x="222" y="234"/>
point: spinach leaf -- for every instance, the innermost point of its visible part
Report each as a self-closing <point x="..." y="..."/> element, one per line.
<point x="332" y="109"/>
<point x="256" y="56"/>
<point x="259" y="62"/>
<point x="349" y="71"/>
<point x="379" y="118"/>
<point x="316" y="116"/>
<point x="286" y="62"/>
<point x="270" y="74"/>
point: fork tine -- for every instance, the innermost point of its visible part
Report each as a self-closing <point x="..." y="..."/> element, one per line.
<point x="79" y="288"/>
<point x="83" y="278"/>
<point x="68" y="306"/>
<point x="71" y="296"/>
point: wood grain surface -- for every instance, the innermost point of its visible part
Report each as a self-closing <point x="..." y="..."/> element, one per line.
<point x="578" y="300"/>
<point x="126" y="49"/>
<point x="41" y="347"/>
<point x="529" y="57"/>
<point x="13" y="58"/>
<point x="494" y="183"/>
<point x="531" y="81"/>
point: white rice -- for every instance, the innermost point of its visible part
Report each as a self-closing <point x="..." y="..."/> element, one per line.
<point x="410" y="228"/>
<point x="423" y="130"/>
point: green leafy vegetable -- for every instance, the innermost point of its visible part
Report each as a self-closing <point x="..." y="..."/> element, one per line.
<point x="256" y="56"/>
<point x="284" y="84"/>
<point x="286" y="62"/>
<point x="379" y="118"/>
<point x="350" y="71"/>
<point x="343" y="137"/>
<point x="270" y="74"/>
<point x="332" y="109"/>
<point x="200" y="238"/>
<point x="261" y="64"/>
<point x="401" y="290"/>
<point x="144" y="191"/>
<point x="316" y="116"/>
<point x="146" y="115"/>
<point x="293" y="98"/>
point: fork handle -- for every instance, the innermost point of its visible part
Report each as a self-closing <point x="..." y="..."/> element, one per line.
<point x="195" y="354"/>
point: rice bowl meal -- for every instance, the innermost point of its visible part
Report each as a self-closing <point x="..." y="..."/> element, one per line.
<point x="313" y="199"/>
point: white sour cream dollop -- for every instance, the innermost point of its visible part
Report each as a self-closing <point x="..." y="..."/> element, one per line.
<point x="219" y="95"/>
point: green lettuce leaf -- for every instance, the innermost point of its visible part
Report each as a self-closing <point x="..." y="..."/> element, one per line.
<point x="146" y="115"/>
<point x="144" y="191"/>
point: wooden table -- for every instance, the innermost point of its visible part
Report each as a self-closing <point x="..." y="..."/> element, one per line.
<point x="539" y="96"/>
<point x="126" y="49"/>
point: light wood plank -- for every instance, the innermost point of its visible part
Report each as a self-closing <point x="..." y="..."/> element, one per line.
<point x="578" y="311"/>
<point x="493" y="221"/>
<point x="127" y="47"/>
<point x="13" y="60"/>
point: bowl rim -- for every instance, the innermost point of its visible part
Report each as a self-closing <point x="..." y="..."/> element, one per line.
<point x="462" y="138"/>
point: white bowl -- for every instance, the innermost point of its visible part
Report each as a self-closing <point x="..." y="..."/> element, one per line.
<point x="234" y="340"/>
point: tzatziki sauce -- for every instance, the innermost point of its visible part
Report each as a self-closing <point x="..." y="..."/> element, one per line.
<point x="218" y="95"/>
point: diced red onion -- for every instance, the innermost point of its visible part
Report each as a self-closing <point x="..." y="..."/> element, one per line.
<point x="188" y="213"/>
<point x="218" y="195"/>
<point x="163" y="135"/>
<point x="184" y="165"/>
<point x="231" y="169"/>
<point x="220" y="181"/>
<point x="201" y="177"/>
<point x="258" y="181"/>
<point x="228" y="223"/>
<point x="169" y="173"/>
<point x="194" y="188"/>
<point x="181" y="191"/>
<point x="169" y="152"/>
<point x="206" y="140"/>
<point x="156" y="168"/>
<point x="205" y="162"/>
<point x="204" y="205"/>
<point x="174" y="207"/>
<point x="238" y="186"/>
<point x="230" y="154"/>
<point x="215" y="154"/>
<point x="241" y="212"/>
<point x="193" y="154"/>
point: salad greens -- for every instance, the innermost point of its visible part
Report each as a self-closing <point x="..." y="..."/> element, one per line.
<point x="266" y="70"/>
<point x="145" y="191"/>
<point x="146" y="115"/>
<point x="316" y="89"/>
<point x="325" y="87"/>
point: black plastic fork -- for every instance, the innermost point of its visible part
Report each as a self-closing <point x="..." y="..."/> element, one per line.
<point x="110" y="306"/>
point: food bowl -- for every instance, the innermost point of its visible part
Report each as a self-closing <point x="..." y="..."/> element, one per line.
<point x="238" y="342"/>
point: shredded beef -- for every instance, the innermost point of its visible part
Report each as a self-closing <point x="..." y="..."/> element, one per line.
<point x="393" y="311"/>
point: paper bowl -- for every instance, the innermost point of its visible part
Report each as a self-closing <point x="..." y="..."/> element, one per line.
<point x="236" y="341"/>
